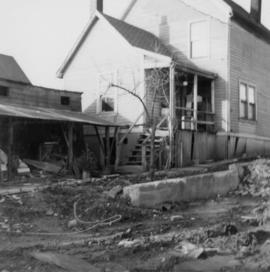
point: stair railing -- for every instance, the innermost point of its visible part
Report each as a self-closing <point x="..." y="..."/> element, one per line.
<point x="144" y="160"/>
<point x="120" y="142"/>
<point x="158" y="127"/>
<point x="131" y="128"/>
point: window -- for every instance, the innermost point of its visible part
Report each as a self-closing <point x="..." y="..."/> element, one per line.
<point x="199" y="39"/>
<point x="3" y="91"/>
<point x="65" y="100"/>
<point x="247" y="102"/>
<point x="107" y="94"/>
<point x="107" y="104"/>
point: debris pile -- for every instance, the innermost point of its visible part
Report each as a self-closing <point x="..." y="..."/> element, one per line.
<point x="256" y="181"/>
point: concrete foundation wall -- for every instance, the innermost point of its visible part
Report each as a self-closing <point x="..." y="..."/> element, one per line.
<point x="191" y="188"/>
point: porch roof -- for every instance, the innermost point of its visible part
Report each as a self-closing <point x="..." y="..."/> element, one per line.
<point x="48" y="114"/>
<point x="195" y="70"/>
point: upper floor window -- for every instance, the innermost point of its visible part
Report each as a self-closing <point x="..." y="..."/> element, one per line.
<point x="3" y="91"/>
<point x="65" y="100"/>
<point x="247" y="102"/>
<point x="199" y="39"/>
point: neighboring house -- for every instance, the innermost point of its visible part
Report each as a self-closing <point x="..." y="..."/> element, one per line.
<point x="34" y="119"/>
<point x="217" y="57"/>
<point x="17" y="89"/>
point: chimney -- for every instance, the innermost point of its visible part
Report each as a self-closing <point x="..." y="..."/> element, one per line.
<point x="96" y="5"/>
<point x="256" y="10"/>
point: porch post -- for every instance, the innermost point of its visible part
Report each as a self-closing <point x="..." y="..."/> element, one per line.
<point x="10" y="146"/>
<point x="118" y="145"/>
<point x="213" y="96"/>
<point x="107" y="150"/>
<point x="70" y="146"/>
<point x="195" y="101"/>
<point x="172" y="114"/>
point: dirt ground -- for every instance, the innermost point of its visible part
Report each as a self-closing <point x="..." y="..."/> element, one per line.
<point x="230" y="233"/>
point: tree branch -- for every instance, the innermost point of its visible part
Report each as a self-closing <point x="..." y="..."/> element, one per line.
<point x="135" y="95"/>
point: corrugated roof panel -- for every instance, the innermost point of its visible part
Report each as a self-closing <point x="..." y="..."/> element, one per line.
<point x="27" y="112"/>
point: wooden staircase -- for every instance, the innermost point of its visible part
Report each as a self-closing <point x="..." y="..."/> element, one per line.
<point x="139" y="157"/>
<point x="135" y="161"/>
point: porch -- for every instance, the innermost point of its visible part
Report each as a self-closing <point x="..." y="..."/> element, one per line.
<point x="188" y="102"/>
<point x="179" y="102"/>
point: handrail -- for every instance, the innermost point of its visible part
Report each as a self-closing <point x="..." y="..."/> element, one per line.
<point x="157" y="127"/>
<point x="130" y="128"/>
<point x="189" y="109"/>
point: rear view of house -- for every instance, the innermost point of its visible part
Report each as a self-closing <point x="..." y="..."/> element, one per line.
<point x="200" y="69"/>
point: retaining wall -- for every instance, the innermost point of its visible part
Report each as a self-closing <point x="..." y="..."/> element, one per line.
<point x="191" y="188"/>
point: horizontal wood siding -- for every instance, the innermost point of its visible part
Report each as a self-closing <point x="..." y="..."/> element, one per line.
<point x="250" y="62"/>
<point x="40" y="97"/>
<point x="171" y="22"/>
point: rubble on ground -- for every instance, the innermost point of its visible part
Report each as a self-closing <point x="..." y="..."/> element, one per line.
<point x="230" y="233"/>
<point x="256" y="181"/>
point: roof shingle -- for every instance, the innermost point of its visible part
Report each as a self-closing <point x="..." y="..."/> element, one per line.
<point x="244" y="18"/>
<point x="138" y="37"/>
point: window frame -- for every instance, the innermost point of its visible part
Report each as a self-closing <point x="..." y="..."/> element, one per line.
<point x="248" y="103"/>
<point x="4" y="91"/>
<point x="65" y="100"/>
<point x="101" y="96"/>
<point x="207" y="39"/>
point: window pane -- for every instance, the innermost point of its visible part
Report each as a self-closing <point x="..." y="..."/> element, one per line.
<point x="199" y="39"/>
<point x="243" y="109"/>
<point x="243" y="92"/>
<point x="199" y="31"/>
<point x="251" y="112"/>
<point x="199" y="49"/>
<point x="107" y="104"/>
<point x="251" y="95"/>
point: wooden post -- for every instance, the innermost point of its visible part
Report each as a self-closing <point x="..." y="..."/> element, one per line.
<point x="10" y="146"/>
<point x="213" y="96"/>
<point x="1" y="173"/>
<point x="118" y="146"/>
<point x="70" y="146"/>
<point x="195" y="101"/>
<point x="107" y="150"/>
<point x="144" y="162"/>
<point x="171" y="115"/>
<point x="181" y="154"/>
<point x="195" y="117"/>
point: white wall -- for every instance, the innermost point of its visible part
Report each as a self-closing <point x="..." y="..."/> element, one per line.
<point x="105" y="51"/>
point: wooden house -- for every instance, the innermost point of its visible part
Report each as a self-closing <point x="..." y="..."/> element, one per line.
<point x="215" y="57"/>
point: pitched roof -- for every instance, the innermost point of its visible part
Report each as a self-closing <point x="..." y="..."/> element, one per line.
<point x="11" y="71"/>
<point x="138" y="37"/>
<point x="133" y="35"/>
<point x="243" y="18"/>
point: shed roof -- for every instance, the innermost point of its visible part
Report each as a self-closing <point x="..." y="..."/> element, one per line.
<point x="48" y="114"/>
<point x="11" y="71"/>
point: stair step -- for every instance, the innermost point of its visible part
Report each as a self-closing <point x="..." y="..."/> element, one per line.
<point x="138" y="156"/>
<point x="134" y="163"/>
<point x="130" y="169"/>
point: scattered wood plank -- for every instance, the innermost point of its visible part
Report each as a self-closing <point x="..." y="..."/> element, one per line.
<point x="45" y="166"/>
<point x="66" y="262"/>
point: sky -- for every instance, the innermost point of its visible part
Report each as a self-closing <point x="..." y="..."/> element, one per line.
<point x="40" y="33"/>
